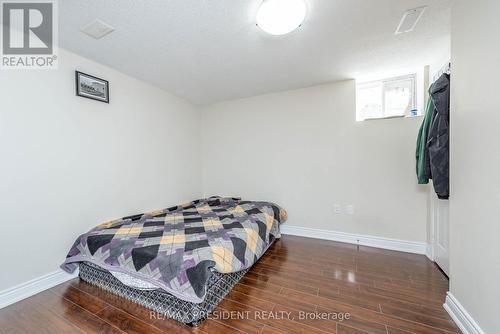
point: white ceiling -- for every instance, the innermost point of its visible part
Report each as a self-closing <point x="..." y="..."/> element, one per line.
<point x="211" y="50"/>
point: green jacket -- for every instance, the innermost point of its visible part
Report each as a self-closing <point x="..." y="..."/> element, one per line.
<point x="421" y="153"/>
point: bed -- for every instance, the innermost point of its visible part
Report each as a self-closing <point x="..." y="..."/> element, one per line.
<point x="180" y="261"/>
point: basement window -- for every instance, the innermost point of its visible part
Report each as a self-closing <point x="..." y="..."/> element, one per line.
<point x="387" y="98"/>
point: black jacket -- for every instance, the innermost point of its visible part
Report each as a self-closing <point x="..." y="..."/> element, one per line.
<point x="438" y="143"/>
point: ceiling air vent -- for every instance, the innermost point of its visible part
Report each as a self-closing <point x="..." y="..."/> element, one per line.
<point x="97" y="29"/>
<point x="410" y="20"/>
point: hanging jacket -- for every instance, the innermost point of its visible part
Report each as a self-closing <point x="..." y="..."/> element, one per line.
<point x="422" y="156"/>
<point x="438" y="144"/>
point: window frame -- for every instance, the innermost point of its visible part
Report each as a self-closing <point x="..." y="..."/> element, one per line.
<point x="383" y="83"/>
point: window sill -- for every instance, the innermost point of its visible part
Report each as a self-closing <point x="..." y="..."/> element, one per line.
<point x="389" y="117"/>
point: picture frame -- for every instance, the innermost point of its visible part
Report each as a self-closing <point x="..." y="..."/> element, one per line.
<point x="91" y="87"/>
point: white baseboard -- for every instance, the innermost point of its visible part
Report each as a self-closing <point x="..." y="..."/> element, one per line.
<point x="460" y="315"/>
<point x="429" y="252"/>
<point x="358" y="239"/>
<point x="30" y="288"/>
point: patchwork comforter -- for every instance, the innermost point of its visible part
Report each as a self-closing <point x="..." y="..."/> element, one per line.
<point x="177" y="248"/>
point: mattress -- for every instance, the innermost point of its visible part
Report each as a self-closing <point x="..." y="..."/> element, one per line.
<point x="160" y="301"/>
<point x="179" y="249"/>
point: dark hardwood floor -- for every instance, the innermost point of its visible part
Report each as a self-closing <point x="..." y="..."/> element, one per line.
<point x="365" y="290"/>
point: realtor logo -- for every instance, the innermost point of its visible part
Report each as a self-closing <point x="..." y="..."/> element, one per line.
<point x="29" y="34"/>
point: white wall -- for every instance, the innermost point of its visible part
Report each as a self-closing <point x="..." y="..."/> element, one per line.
<point x="475" y="160"/>
<point x="304" y="150"/>
<point x="69" y="163"/>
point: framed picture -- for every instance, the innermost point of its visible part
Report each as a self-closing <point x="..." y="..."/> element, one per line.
<point x="91" y="87"/>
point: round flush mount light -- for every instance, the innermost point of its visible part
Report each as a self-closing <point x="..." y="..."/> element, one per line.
<point x="279" y="17"/>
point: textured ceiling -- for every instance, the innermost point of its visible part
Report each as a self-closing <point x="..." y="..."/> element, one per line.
<point x="211" y="50"/>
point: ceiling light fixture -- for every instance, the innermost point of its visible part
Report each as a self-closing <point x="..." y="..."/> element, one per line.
<point x="279" y="17"/>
